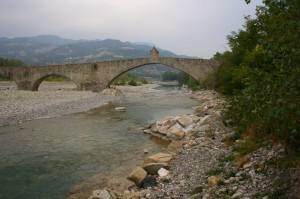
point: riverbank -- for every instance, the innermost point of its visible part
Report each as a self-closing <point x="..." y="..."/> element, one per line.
<point x="54" y="99"/>
<point x="204" y="160"/>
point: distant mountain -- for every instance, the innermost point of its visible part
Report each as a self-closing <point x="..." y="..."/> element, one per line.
<point x="50" y="49"/>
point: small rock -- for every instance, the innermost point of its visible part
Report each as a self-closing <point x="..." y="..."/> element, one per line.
<point x="163" y="172"/>
<point x="237" y="195"/>
<point x="120" y="109"/>
<point x="213" y="180"/>
<point x="247" y="165"/>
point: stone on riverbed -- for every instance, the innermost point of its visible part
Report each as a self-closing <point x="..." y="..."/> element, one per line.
<point x="184" y="120"/>
<point x="119" y="186"/>
<point x="175" y="133"/>
<point x="120" y="109"/>
<point x="158" y="158"/>
<point x="137" y="175"/>
<point x="153" y="168"/>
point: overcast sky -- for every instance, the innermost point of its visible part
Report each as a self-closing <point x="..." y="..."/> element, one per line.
<point x="189" y="27"/>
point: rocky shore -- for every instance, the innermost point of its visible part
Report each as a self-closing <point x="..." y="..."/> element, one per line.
<point x="200" y="163"/>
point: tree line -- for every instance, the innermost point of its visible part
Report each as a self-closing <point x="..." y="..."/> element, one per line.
<point x="10" y="63"/>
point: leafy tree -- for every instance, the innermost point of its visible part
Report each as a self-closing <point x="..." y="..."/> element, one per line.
<point x="262" y="71"/>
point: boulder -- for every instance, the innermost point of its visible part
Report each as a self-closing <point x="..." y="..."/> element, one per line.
<point x="100" y="194"/>
<point x="158" y="158"/>
<point x="175" y="147"/>
<point x="175" y="133"/>
<point x="137" y="175"/>
<point x="168" y="122"/>
<point x="184" y="121"/>
<point x="163" y="130"/>
<point x="119" y="186"/>
<point x="149" y="181"/>
<point x="195" y="118"/>
<point x="152" y="168"/>
<point x="154" y="127"/>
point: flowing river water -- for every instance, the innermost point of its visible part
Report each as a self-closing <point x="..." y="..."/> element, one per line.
<point x="51" y="158"/>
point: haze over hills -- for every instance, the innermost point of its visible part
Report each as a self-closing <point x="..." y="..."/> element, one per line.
<point x="51" y="49"/>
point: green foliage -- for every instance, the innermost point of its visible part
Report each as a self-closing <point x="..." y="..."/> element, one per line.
<point x="183" y="78"/>
<point x="261" y="72"/>
<point x="215" y="171"/>
<point x="129" y="79"/>
<point x="193" y="84"/>
<point x="10" y="63"/>
<point x="132" y="83"/>
<point x="169" y="76"/>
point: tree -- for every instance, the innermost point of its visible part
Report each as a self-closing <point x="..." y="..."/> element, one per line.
<point x="262" y="71"/>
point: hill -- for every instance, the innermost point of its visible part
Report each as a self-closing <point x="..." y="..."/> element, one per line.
<point x="50" y="49"/>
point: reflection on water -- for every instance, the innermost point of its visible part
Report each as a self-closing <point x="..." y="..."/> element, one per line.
<point x="45" y="158"/>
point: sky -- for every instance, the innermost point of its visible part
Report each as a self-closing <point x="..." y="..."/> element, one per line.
<point x="185" y="27"/>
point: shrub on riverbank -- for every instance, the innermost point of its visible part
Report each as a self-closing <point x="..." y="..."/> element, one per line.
<point x="129" y="79"/>
<point x="261" y="74"/>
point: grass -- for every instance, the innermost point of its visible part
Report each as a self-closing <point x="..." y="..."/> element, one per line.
<point x="215" y="171"/>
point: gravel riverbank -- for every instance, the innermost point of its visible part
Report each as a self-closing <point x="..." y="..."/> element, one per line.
<point x="54" y="99"/>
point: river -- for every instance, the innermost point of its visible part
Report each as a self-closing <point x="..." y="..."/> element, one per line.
<point x="51" y="158"/>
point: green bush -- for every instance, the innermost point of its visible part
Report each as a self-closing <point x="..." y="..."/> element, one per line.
<point x="132" y="83"/>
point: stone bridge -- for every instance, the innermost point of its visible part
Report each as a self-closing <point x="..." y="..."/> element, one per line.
<point x="99" y="75"/>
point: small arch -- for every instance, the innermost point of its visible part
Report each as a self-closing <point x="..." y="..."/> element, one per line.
<point x="54" y="82"/>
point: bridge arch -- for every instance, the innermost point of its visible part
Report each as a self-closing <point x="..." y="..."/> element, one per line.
<point x="145" y="64"/>
<point x="36" y="84"/>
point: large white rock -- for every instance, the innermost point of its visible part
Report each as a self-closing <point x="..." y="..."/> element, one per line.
<point x="163" y="172"/>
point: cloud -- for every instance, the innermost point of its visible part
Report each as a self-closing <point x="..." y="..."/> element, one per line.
<point x="191" y="27"/>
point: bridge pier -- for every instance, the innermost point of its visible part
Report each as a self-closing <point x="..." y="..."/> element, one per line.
<point x="24" y="85"/>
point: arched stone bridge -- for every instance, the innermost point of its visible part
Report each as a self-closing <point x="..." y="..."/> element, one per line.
<point x="99" y="75"/>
